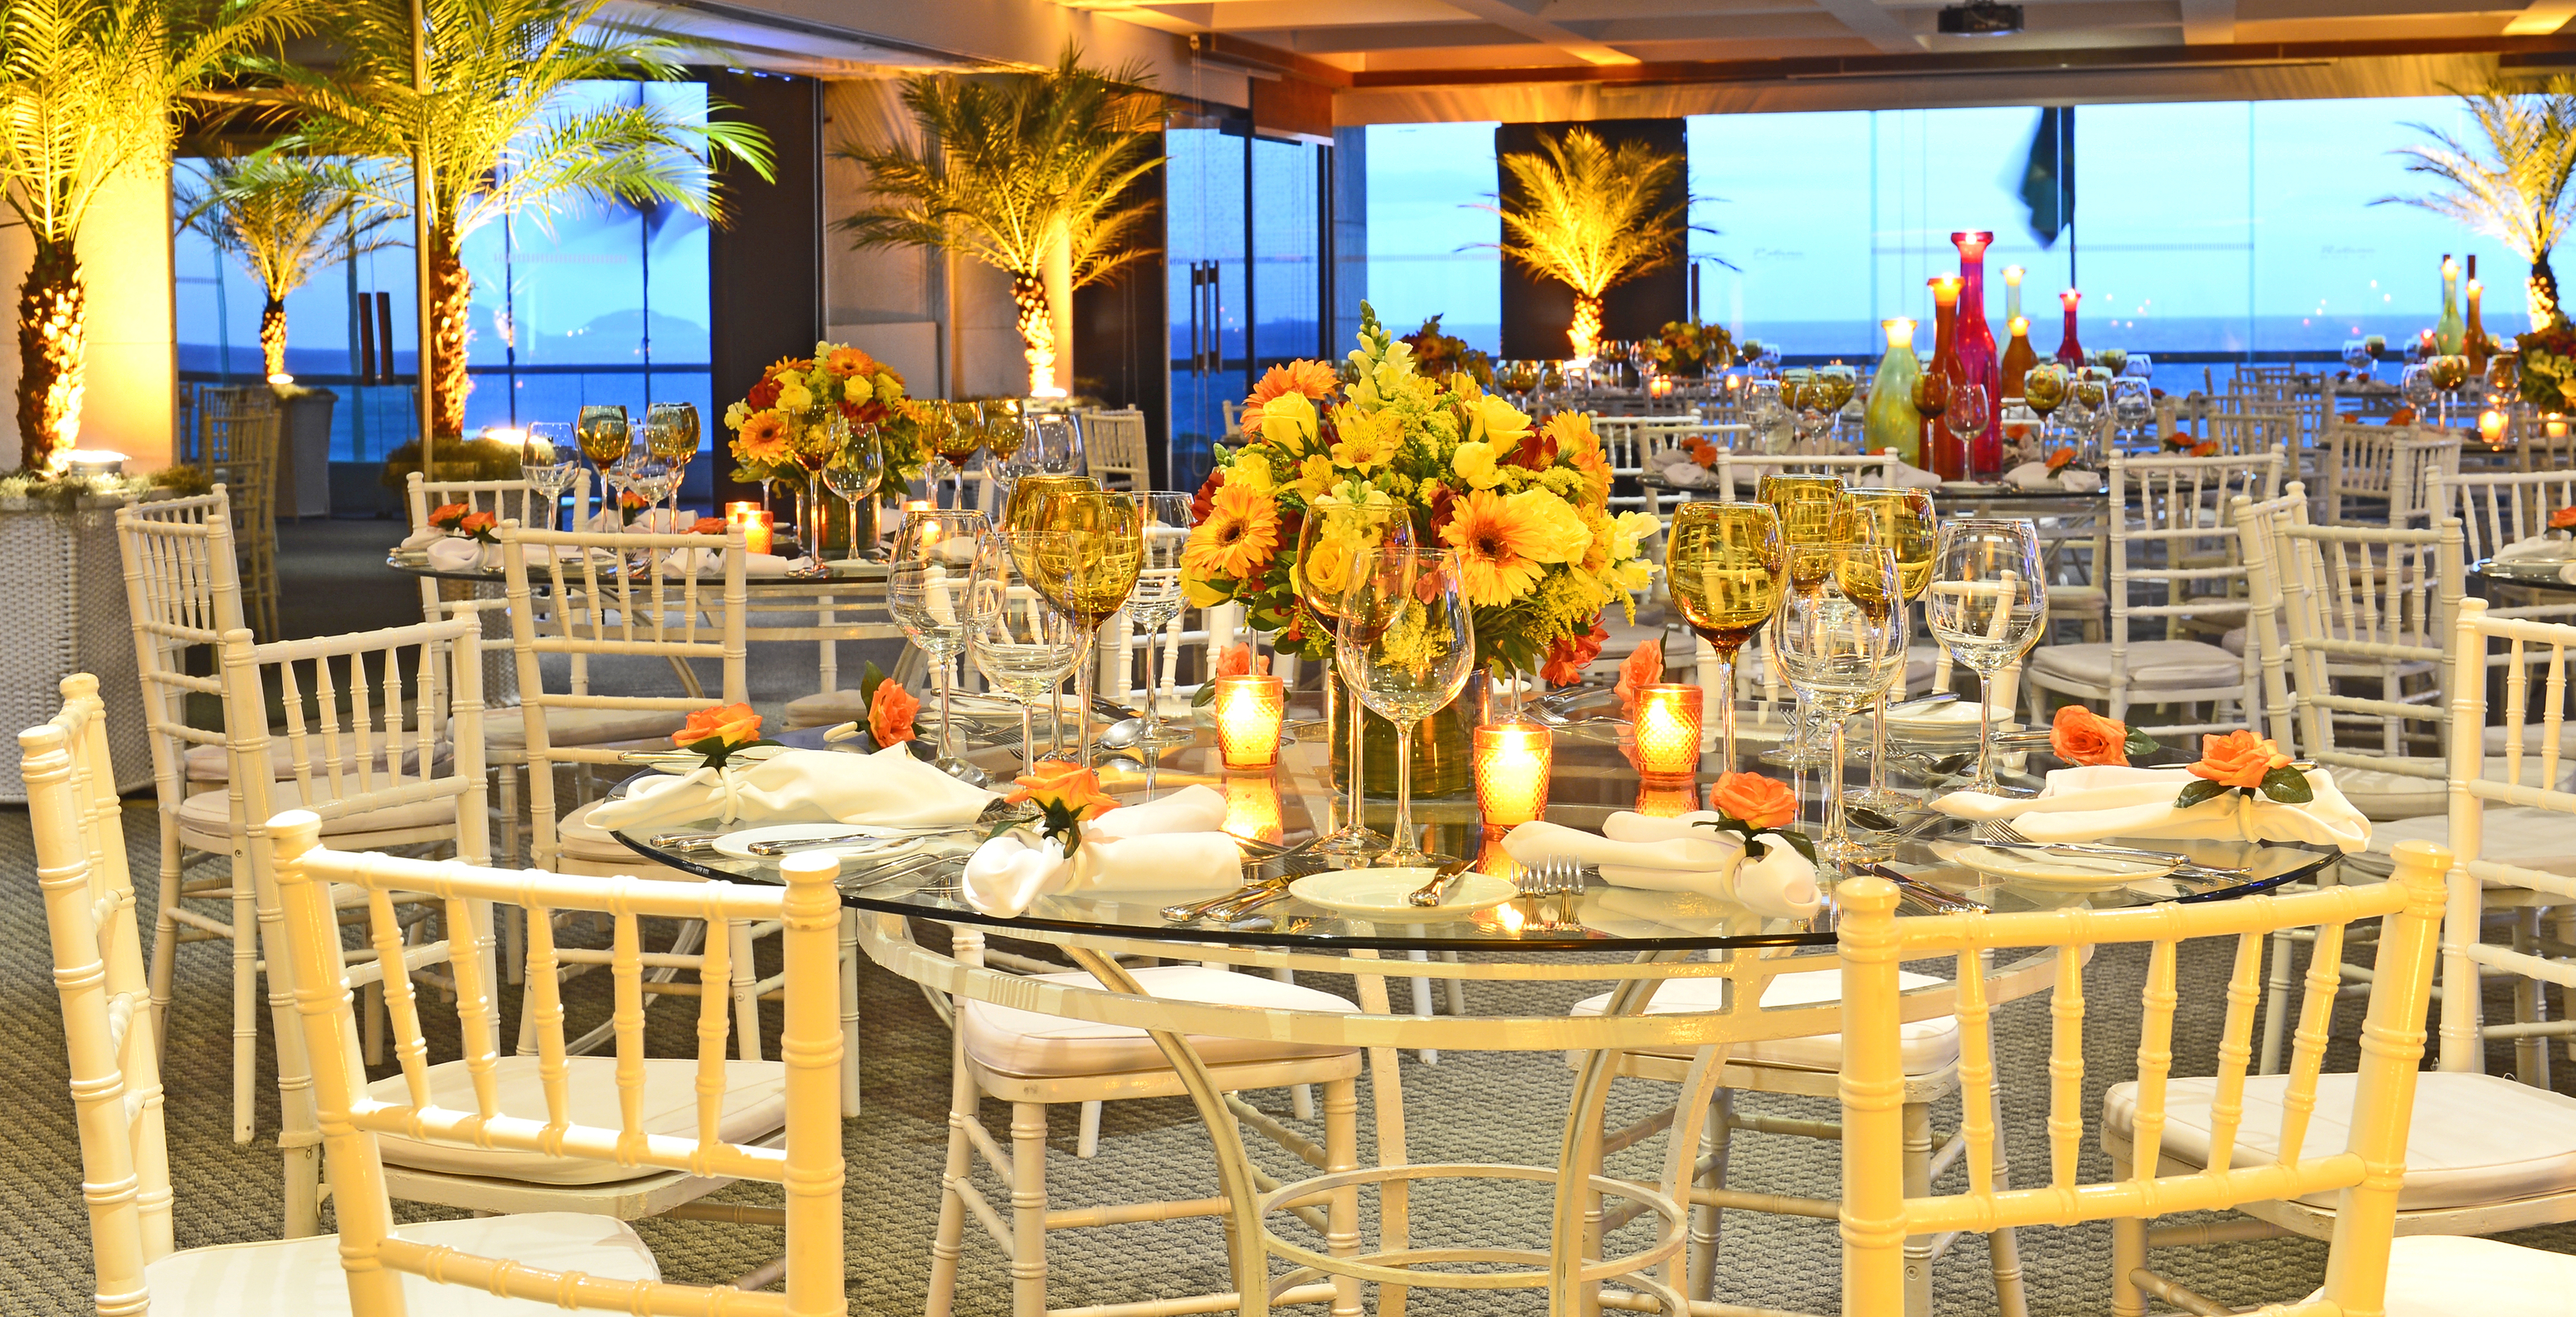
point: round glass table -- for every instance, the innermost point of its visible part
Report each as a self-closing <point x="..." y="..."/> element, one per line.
<point x="1651" y="937"/>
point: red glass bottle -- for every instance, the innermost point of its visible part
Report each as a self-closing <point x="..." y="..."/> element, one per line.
<point x="1977" y="354"/>
<point x="2070" y="353"/>
<point x="1945" y="455"/>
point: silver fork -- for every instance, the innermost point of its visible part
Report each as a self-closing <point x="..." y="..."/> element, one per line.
<point x="1557" y="875"/>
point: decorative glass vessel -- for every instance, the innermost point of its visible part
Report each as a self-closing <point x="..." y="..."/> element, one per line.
<point x="2450" y="329"/>
<point x="2018" y="357"/>
<point x="2070" y="351"/>
<point x="1948" y="461"/>
<point x="2473" y="341"/>
<point x="1443" y="750"/>
<point x="1889" y="419"/>
<point x="1975" y="345"/>
<point x="2012" y="293"/>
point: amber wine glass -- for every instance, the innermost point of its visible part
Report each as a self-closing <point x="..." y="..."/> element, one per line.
<point x="1725" y="563"/>
<point x="957" y="440"/>
<point x="1906" y="524"/>
<point x="1031" y="496"/>
<point x="1081" y="552"/>
<point x="604" y="438"/>
<point x="1329" y="545"/>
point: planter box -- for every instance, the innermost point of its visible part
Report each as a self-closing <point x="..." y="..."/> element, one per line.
<point x="304" y="455"/>
<point x="62" y="572"/>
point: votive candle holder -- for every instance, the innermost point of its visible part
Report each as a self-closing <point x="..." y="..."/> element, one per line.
<point x="1666" y="729"/>
<point x="1512" y="762"/>
<point x="1249" y="710"/>
<point x="758" y="525"/>
<point x="1252" y="809"/>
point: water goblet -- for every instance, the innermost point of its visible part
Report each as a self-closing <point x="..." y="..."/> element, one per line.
<point x="548" y="461"/>
<point x="1986" y="603"/>
<point x="929" y="575"/>
<point x="1329" y="545"/>
<point x="1406" y="644"/>
<point x="1840" y="640"/>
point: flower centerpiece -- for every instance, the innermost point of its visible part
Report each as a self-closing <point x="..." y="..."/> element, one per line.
<point x="2548" y="366"/>
<point x="1441" y="355"/>
<point x="1687" y="347"/>
<point x="783" y="428"/>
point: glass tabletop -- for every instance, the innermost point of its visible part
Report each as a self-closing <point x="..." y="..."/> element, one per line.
<point x="2538" y="574"/>
<point x="1591" y="780"/>
<point x="412" y="564"/>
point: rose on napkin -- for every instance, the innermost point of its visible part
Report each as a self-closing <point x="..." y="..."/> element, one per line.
<point x="446" y="515"/>
<point x="2242" y="761"/>
<point x="479" y="526"/>
<point x="2092" y="804"/>
<point x="1066" y="796"/>
<point x="2060" y="460"/>
<point x="2080" y="736"/>
<point x="1167" y="846"/>
<point x="2563" y="519"/>
<point x="707" y="526"/>
<point x="718" y="731"/>
<point x="890" y="713"/>
<point x="1757" y="803"/>
<point x="1643" y="667"/>
<point x="1701" y="452"/>
<point x="1690" y="853"/>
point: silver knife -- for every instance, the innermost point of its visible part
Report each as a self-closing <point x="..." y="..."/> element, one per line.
<point x="1941" y="902"/>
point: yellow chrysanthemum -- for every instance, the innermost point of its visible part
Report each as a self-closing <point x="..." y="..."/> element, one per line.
<point x="1239" y="536"/>
<point x="1474" y="463"/>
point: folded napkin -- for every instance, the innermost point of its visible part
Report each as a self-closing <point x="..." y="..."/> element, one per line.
<point x="1164" y="847"/>
<point x="461" y="553"/>
<point x="421" y="539"/>
<point x="1910" y="476"/>
<point x="710" y="562"/>
<point x="2034" y="475"/>
<point x="1673" y="855"/>
<point x="2090" y="804"/>
<point x="889" y="789"/>
<point x="2539" y="548"/>
<point x="1685" y="474"/>
<point x="651" y="521"/>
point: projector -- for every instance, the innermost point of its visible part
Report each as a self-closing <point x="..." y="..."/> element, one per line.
<point x="1980" y="18"/>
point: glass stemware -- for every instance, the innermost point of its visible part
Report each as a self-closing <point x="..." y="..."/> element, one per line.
<point x="1965" y="418"/>
<point x="1813" y="511"/>
<point x="1335" y="533"/>
<point x="1840" y="639"/>
<point x="928" y="578"/>
<point x="1905" y="524"/>
<point x="815" y="437"/>
<point x="1024" y="648"/>
<point x="672" y="429"/>
<point x="2043" y="390"/>
<point x="1080" y="552"/>
<point x="1987" y="600"/>
<point x="855" y="471"/>
<point x="2133" y="407"/>
<point x="957" y="443"/>
<point x="1724" y="563"/>
<point x="1406" y="643"/>
<point x="602" y="431"/>
<point x="2448" y="372"/>
<point x="1157" y="599"/>
<point x="547" y="461"/>
<point x="2357" y="358"/>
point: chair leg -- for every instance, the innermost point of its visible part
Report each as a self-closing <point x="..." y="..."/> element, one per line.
<point x="1342" y="1153"/>
<point x="245" y="1000"/>
<point x="2530" y="1055"/>
<point x="165" y="933"/>
<point x="1086" y="1140"/>
<point x="950" y="1237"/>
<point x="2128" y="1254"/>
<point x="849" y="1014"/>
<point x="2276" y="1004"/>
<point x="1301" y="1097"/>
<point x="371" y="1002"/>
<point x="1457" y="987"/>
<point x="2003" y="1247"/>
<point x="746" y="990"/>
<point x="1028" y="1209"/>
<point x="1918" y="1184"/>
<point x="1424" y="1006"/>
<point x="1716" y="1139"/>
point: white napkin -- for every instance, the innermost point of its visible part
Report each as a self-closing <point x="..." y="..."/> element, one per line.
<point x="889" y="788"/>
<point x="1163" y="846"/>
<point x="1673" y="855"/>
<point x="2090" y="804"/>
<point x="651" y="521"/>
<point x="2034" y="475"/>
<point x="2539" y="548"/>
<point x="1909" y="476"/>
<point x="421" y="539"/>
<point x="460" y="553"/>
<point x="1685" y="474"/>
<point x="710" y="562"/>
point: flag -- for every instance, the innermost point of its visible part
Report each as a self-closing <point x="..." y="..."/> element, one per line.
<point x="2048" y="180"/>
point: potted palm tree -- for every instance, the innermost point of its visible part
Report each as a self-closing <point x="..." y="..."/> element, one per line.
<point x="502" y="135"/>
<point x="89" y="90"/>
<point x="2512" y="183"/>
<point x="1585" y="215"/>
<point x="1019" y="170"/>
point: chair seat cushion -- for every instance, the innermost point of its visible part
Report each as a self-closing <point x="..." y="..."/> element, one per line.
<point x="2444" y="1275"/>
<point x="1010" y="1041"/>
<point x="2151" y="665"/>
<point x="2542" y="839"/>
<point x="2475" y="1138"/>
<point x="209" y="813"/>
<point x="826" y="709"/>
<point x="2077" y="601"/>
<point x="1925" y="1046"/>
<point x="755" y="1106"/>
<point x="214" y="763"/>
<point x="505" y="731"/>
<point x="303" y="1276"/>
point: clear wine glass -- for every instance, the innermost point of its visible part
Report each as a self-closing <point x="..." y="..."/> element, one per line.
<point x="855" y="473"/>
<point x="1406" y="645"/>
<point x="1164" y="526"/>
<point x="1906" y="524"/>
<point x="548" y="461"/>
<point x="1987" y="603"/>
<point x="2357" y="358"/>
<point x="1024" y="648"/>
<point x="1329" y="544"/>
<point x="928" y="574"/>
<point x="2133" y="407"/>
<point x="1971" y="402"/>
<point x="1840" y="639"/>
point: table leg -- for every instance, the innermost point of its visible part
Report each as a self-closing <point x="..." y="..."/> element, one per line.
<point x="1575" y="1234"/>
<point x="1386" y="1093"/>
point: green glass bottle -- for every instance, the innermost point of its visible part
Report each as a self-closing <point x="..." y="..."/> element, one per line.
<point x="2450" y="331"/>
<point x="1890" y="420"/>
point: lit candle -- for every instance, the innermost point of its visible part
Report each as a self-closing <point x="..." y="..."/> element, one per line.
<point x="1511" y="772"/>
<point x="916" y="505"/>
<point x="2491" y="427"/>
<point x="1252" y="807"/>
<point x="756" y="523"/>
<point x="1667" y="732"/>
<point x="2554" y="425"/>
<point x="1660" y="386"/>
<point x="1248" y="712"/>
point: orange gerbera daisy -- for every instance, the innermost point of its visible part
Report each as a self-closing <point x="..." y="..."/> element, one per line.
<point x="1575" y="439"/>
<point x="764" y="439"/>
<point x="1500" y="555"/>
<point x="1315" y="379"/>
<point x="1239" y="535"/>
<point x="850" y="361"/>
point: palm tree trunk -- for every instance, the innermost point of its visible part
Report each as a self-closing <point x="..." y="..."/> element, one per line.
<point x="53" y="331"/>
<point x="1584" y="335"/>
<point x="1037" y="331"/>
<point x="451" y="292"/>
<point x="2543" y="291"/>
<point x="272" y="337"/>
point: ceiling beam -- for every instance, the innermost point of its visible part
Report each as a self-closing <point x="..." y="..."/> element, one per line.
<point x="2213" y="22"/>
<point x="1545" y="33"/>
<point x="2542" y="18"/>
<point x="1875" y="25"/>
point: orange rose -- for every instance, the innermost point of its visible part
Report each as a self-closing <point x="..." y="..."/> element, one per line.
<point x="2205" y="448"/>
<point x="2238" y="759"/>
<point x="1236" y="660"/>
<point x="890" y="714"/>
<point x="1645" y="667"/>
<point x="707" y="526"/>
<point x="2081" y="736"/>
<point x="2563" y="519"/>
<point x="1702" y="452"/>
<point x="2059" y="460"/>
<point x="446" y="515"/>
<point x="478" y="524"/>
<point x="1761" y="802"/>
<point x="727" y="725"/>
<point x="1053" y="784"/>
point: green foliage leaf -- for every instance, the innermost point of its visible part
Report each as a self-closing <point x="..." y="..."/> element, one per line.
<point x="1798" y="842"/>
<point x="2200" y="789"/>
<point x="870" y="678"/>
<point x="2140" y="743"/>
<point x="2288" y="786"/>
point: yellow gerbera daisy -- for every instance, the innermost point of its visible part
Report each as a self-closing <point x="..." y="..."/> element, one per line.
<point x="1239" y="536"/>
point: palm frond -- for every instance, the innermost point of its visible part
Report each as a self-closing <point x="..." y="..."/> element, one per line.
<point x="2512" y="183"/>
<point x="282" y="215"/>
<point x="1585" y="215"/>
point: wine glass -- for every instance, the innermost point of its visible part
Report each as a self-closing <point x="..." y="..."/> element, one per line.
<point x="928" y="574"/>
<point x="1023" y="647"/>
<point x="1080" y="552"/>
<point x="2357" y="358"/>
<point x="2113" y="360"/>
<point x="1902" y="521"/>
<point x="816" y="436"/>
<point x="602" y="430"/>
<point x="1051" y="444"/>
<point x="2448" y="372"/>
<point x="1406" y="643"/>
<point x="547" y="461"/>
<point x="1158" y="597"/>
<point x="1840" y="639"/>
<point x="2133" y="406"/>
<point x="1814" y="510"/>
<point x="855" y="473"/>
<point x="2377" y="346"/>
<point x="1830" y="392"/>
<point x="1724" y="563"/>
<point x="2043" y="390"/>
<point x="1987" y="600"/>
<point x="965" y="434"/>
<point x="672" y="429"/>
<point x="1971" y="403"/>
<point x="1329" y="545"/>
<point x="2416" y="383"/>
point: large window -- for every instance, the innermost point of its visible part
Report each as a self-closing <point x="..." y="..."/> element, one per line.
<point x="2202" y="232"/>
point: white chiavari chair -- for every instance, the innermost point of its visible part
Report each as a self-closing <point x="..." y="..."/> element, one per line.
<point x="2250" y="1143"/>
<point x="1882" y="468"/>
<point x="607" y="1135"/>
<point x="1114" y="447"/>
<point x="1638" y="444"/>
<point x="237" y="446"/>
<point x="2501" y="509"/>
<point x="2173" y="563"/>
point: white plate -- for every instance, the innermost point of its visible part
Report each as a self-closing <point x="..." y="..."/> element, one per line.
<point x="738" y="844"/>
<point x="2052" y="869"/>
<point x="1382" y="892"/>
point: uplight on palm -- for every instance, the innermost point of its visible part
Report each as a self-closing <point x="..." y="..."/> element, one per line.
<point x="1725" y="563"/>
<point x="1987" y="603"/>
<point x="1330" y="543"/>
<point x="928" y="580"/>
<point x="1406" y="644"/>
<point x="1840" y="639"/>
